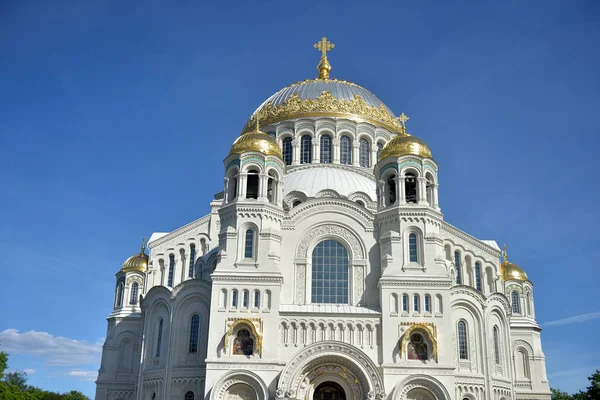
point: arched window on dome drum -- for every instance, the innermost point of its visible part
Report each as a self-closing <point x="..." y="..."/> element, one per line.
<point x="159" y="339"/>
<point x="427" y="303"/>
<point x="329" y="273"/>
<point x="478" y="276"/>
<point x="379" y="148"/>
<point x="405" y="303"/>
<point x="457" y="265"/>
<point x="325" y="149"/>
<point x="496" y="345"/>
<point x="189" y="396"/>
<point x="391" y="186"/>
<point x="462" y="341"/>
<point x="252" y="184"/>
<point x="416" y="303"/>
<point x="120" y="292"/>
<point x="516" y="308"/>
<point x="192" y="260"/>
<point x="528" y="304"/>
<point x="249" y="244"/>
<point x="194" y="333"/>
<point x="364" y="153"/>
<point x="410" y="184"/>
<point x="287" y="150"/>
<point x="171" y="270"/>
<point x="412" y="247"/>
<point x="345" y="150"/>
<point x="133" y="293"/>
<point x="306" y="149"/>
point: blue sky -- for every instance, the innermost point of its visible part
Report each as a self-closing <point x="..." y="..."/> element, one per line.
<point x="115" y="118"/>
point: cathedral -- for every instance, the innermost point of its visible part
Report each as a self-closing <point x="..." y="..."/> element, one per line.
<point x="324" y="270"/>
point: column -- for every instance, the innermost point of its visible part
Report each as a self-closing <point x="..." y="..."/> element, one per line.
<point x="435" y="195"/>
<point x="242" y="185"/>
<point x="295" y="152"/>
<point x="400" y="190"/>
<point x="373" y="155"/>
<point x="262" y="186"/>
<point x="316" y="158"/>
<point x="335" y="142"/>
<point x="355" y="153"/>
<point x="421" y="190"/>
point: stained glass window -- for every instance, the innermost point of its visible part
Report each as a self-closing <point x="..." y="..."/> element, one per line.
<point x="345" y="150"/>
<point x="462" y="340"/>
<point x="364" y="153"/>
<point x="412" y="247"/>
<point x="306" y="149"/>
<point x="288" y="151"/>
<point x="330" y="273"/>
<point x="194" y="332"/>
<point x="326" y="149"/>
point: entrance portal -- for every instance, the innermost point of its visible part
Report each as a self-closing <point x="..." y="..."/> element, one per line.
<point x="329" y="391"/>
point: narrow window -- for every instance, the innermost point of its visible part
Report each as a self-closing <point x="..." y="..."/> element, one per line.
<point x="405" y="303"/>
<point x="427" y="303"/>
<point x="272" y="188"/>
<point x="159" y="340"/>
<point x="528" y="304"/>
<point x="429" y="191"/>
<point x="120" y="292"/>
<point x="268" y="299"/>
<point x="379" y="147"/>
<point x="192" y="260"/>
<point x="326" y="149"/>
<point x="496" y="345"/>
<point x="416" y="301"/>
<point x="194" y="331"/>
<point x="391" y="185"/>
<point x="457" y="264"/>
<point x="364" y="153"/>
<point x="345" y="150"/>
<point x="287" y="151"/>
<point x="410" y="184"/>
<point x="256" y="299"/>
<point x="249" y="244"/>
<point x="234" y="298"/>
<point x="412" y="247"/>
<point x="171" y="269"/>
<point x="478" y="276"/>
<point x="515" y="302"/>
<point x="245" y="299"/>
<point x="134" y="293"/>
<point x="189" y="395"/>
<point x="306" y="149"/>
<point x="462" y="340"/>
<point x="252" y="184"/>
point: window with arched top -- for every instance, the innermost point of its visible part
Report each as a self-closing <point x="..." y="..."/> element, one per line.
<point x="379" y="148"/>
<point x="457" y="266"/>
<point x="496" y="345"/>
<point x="405" y="303"/>
<point x="478" y="276"/>
<point x="133" y="293"/>
<point x="516" y="307"/>
<point x="529" y="304"/>
<point x="427" y="303"/>
<point x="252" y="183"/>
<point x="194" y="333"/>
<point x="329" y="273"/>
<point x="306" y="149"/>
<point x="192" y="260"/>
<point x="234" y="298"/>
<point x="245" y="298"/>
<point x="416" y="303"/>
<point x="249" y="244"/>
<point x="171" y="270"/>
<point x="159" y="338"/>
<point x="120" y="292"/>
<point x="364" y="153"/>
<point x="256" y="299"/>
<point x="287" y="150"/>
<point x="410" y="186"/>
<point x="345" y="150"/>
<point x="412" y="248"/>
<point x="463" y="350"/>
<point x="325" y="149"/>
<point x="391" y="190"/>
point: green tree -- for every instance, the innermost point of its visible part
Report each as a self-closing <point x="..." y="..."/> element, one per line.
<point x="593" y="391"/>
<point x="560" y="395"/>
<point x="3" y="363"/>
<point x="74" y="395"/>
<point x="17" y="379"/>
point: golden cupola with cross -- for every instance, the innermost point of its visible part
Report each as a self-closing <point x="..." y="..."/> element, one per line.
<point x="258" y="141"/>
<point x="510" y="271"/>
<point x="405" y="144"/>
<point x="137" y="262"/>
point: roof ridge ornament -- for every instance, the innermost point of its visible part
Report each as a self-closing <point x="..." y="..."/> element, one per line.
<point x="324" y="67"/>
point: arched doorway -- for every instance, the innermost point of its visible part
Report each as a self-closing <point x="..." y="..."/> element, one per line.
<point x="329" y="391"/>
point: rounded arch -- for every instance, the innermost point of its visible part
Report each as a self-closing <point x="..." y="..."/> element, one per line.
<point x="423" y="383"/>
<point x="332" y="353"/>
<point x="236" y="377"/>
<point x="344" y="235"/>
<point x="252" y="165"/>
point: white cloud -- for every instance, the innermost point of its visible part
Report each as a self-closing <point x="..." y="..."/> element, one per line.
<point x="29" y="371"/>
<point x="55" y="350"/>
<point x="84" y="375"/>
<point x="573" y="320"/>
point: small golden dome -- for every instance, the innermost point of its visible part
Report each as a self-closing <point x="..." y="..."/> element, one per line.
<point x="256" y="141"/>
<point x="510" y="271"/>
<point x="405" y="144"/>
<point x="137" y="262"/>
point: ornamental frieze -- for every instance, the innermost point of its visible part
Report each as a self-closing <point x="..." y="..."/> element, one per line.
<point x="330" y="230"/>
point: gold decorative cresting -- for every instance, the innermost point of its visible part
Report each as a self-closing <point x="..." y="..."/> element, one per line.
<point x="324" y="67"/>
<point x="404" y="144"/>
<point x="510" y="271"/>
<point x="137" y="262"/>
<point x="256" y="141"/>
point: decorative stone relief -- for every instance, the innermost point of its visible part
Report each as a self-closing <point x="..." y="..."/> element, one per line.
<point x="300" y="283"/>
<point x="330" y="230"/>
<point x="359" y="283"/>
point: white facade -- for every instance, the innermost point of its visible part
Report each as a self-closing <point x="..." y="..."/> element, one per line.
<point x="396" y="322"/>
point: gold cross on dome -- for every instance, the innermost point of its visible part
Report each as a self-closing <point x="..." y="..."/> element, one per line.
<point x="324" y="46"/>
<point x="504" y="255"/>
<point x="324" y="67"/>
<point x="143" y="244"/>
<point x="403" y="118"/>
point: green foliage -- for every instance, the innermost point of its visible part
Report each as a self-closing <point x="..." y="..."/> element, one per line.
<point x="592" y="393"/>
<point x="3" y="363"/>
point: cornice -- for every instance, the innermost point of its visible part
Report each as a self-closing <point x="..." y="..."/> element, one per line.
<point x="331" y="205"/>
<point x="180" y="231"/>
<point x="470" y="239"/>
<point x="220" y="277"/>
<point x="402" y="281"/>
<point x="409" y="211"/>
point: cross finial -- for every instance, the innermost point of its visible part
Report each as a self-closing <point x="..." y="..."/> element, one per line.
<point x="324" y="67"/>
<point x="143" y="244"/>
<point x="403" y="118"/>
<point x="504" y="255"/>
<point x="257" y="123"/>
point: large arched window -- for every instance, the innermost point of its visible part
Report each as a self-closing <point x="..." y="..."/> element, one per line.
<point x="120" y="292"/>
<point x="249" y="244"/>
<point x="306" y="149"/>
<point x="457" y="265"/>
<point x="345" y="150"/>
<point x="171" y="270"/>
<point x="192" y="260"/>
<point x="159" y="338"/>
<point x="194" y="332"/>
<point x="133" y="293"/>
<point x="462" y="340"/>
<point x="496" y="345"/>
<point x="364" y="153"/>
<point x="287" y="150"/>
<point x="412" y="248"/>
<point x="330" y="273"/>
<point x="189" y="395"/>
<point x="326" y="150"/>
<point x="478" y="276"/>
<point x="516" y="307"/>
<point x="252" y="180"/>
